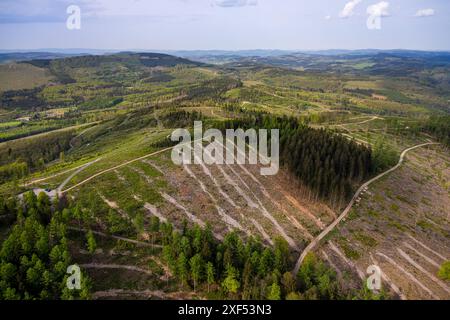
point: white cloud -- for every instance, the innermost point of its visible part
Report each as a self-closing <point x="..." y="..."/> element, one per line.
<point x="328" y="17"/>
<point x="349" y="8"/>
<point x="380" y="9"/>
<point x="424" y="13"/>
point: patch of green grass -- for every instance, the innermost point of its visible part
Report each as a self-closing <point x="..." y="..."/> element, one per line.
<point x="379" y="198"/>
<point x="155" y="268"/>
<point x="365" y="239"/>
<point x="353" y="214"/>
<point x="425" y="225"/>
<point x="388" y="193"/>
<point x="444" y="271"/>
<point x="395" y="207"/>
<point x="331" y="235"/>
<point x="362" y="65"/>
<point x="372" y="213"/>
<point x="348" y="250"/>
<point x="10" y="124"/>
<point x="396" y="225"/>
<point x="138" y="185"/>
<point x="16" y="76"/>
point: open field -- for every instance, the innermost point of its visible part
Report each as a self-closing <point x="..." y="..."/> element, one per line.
<point x="400" y="223"/>
<point x="17" y="76"/>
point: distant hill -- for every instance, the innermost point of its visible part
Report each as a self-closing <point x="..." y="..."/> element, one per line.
<point x="8" y="57"/>
<point x="90" y="60"/>
<point x="221" y="56"/>
<point x="316" y="60"/>
<point x="126" y="58"/>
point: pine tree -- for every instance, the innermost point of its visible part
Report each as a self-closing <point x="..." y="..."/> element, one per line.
<point x="91" y="243"/>
<point x="210" y="273"/>
<point x="182" y="268"/>
<point x="231" y="283"/>
<point x="274" y="292"/>
<point x="288" y="282"/>
<point x="196" y="264"/>
<point x="265" y="264"/>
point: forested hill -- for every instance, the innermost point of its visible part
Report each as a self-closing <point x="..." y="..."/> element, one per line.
<point x="126" y="58"/>
<point x="26" y="56"/>
<point x="329" y="165"/>
<point x="85" y="74"/>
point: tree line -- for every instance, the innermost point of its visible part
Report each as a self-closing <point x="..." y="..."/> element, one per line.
<point x="36" y="152"/>
<point x="247" y="270"/>
<point x="13" y="171"/>
<point x="241" y="270"/>
<point x="328" y="164"/>
<point x="35" y="256"/>
<point x="439" y="126"/>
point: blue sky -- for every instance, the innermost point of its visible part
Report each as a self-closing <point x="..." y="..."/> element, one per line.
<point x="226" y="24"/>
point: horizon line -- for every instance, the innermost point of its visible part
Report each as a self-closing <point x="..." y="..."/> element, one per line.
<point x="216" y="50"/>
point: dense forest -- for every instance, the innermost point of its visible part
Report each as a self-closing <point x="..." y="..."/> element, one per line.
<point x="328" y="164"/>
<point x="36" y="152"/>
<point x="27" y="99"/>
<point x="212" y="89"/>
<point x="13" y="171"/>
<point x="238" y="270"/>
<point x="35" y="256"/>
<point x="234" y="269"/>
<point x="34" y="126"/>
<point x="440" y="128"/>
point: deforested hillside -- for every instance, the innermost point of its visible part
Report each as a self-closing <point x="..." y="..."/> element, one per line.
<point x="361" y="180"/>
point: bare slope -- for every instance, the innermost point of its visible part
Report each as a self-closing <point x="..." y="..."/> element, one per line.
<point x="401" y="224"/>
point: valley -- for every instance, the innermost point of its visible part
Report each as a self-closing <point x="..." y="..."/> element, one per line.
<point x="363" y="178"/>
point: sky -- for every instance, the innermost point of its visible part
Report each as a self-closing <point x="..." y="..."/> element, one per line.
<point x="226" y="24"/>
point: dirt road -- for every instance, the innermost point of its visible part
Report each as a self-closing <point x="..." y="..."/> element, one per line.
<point x="63" y="184"/>
<point x="116" y="167"/>
<point x="136" y="242"/>
<point x="52" y="131"/>
<point x="350" y="205"/>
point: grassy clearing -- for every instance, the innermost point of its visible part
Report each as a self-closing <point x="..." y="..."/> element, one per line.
<point x="349" y="251"/>
<point x="364" y="239"/>
<point x="8" y="125"/>
<point x="16" y="76"/>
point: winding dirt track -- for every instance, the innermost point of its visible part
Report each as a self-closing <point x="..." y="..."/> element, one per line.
<point x="136" y="242"/>
<point x="115" y="266"/>
<point x="52" y="131"/>
<point x="318" y="238"/>
<point x="362" y="122"/>
<point x="123" y="165"/>
<point x="63" y="184"/>
<point x="57" y="174"/>
<point x="344" y="213"/>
